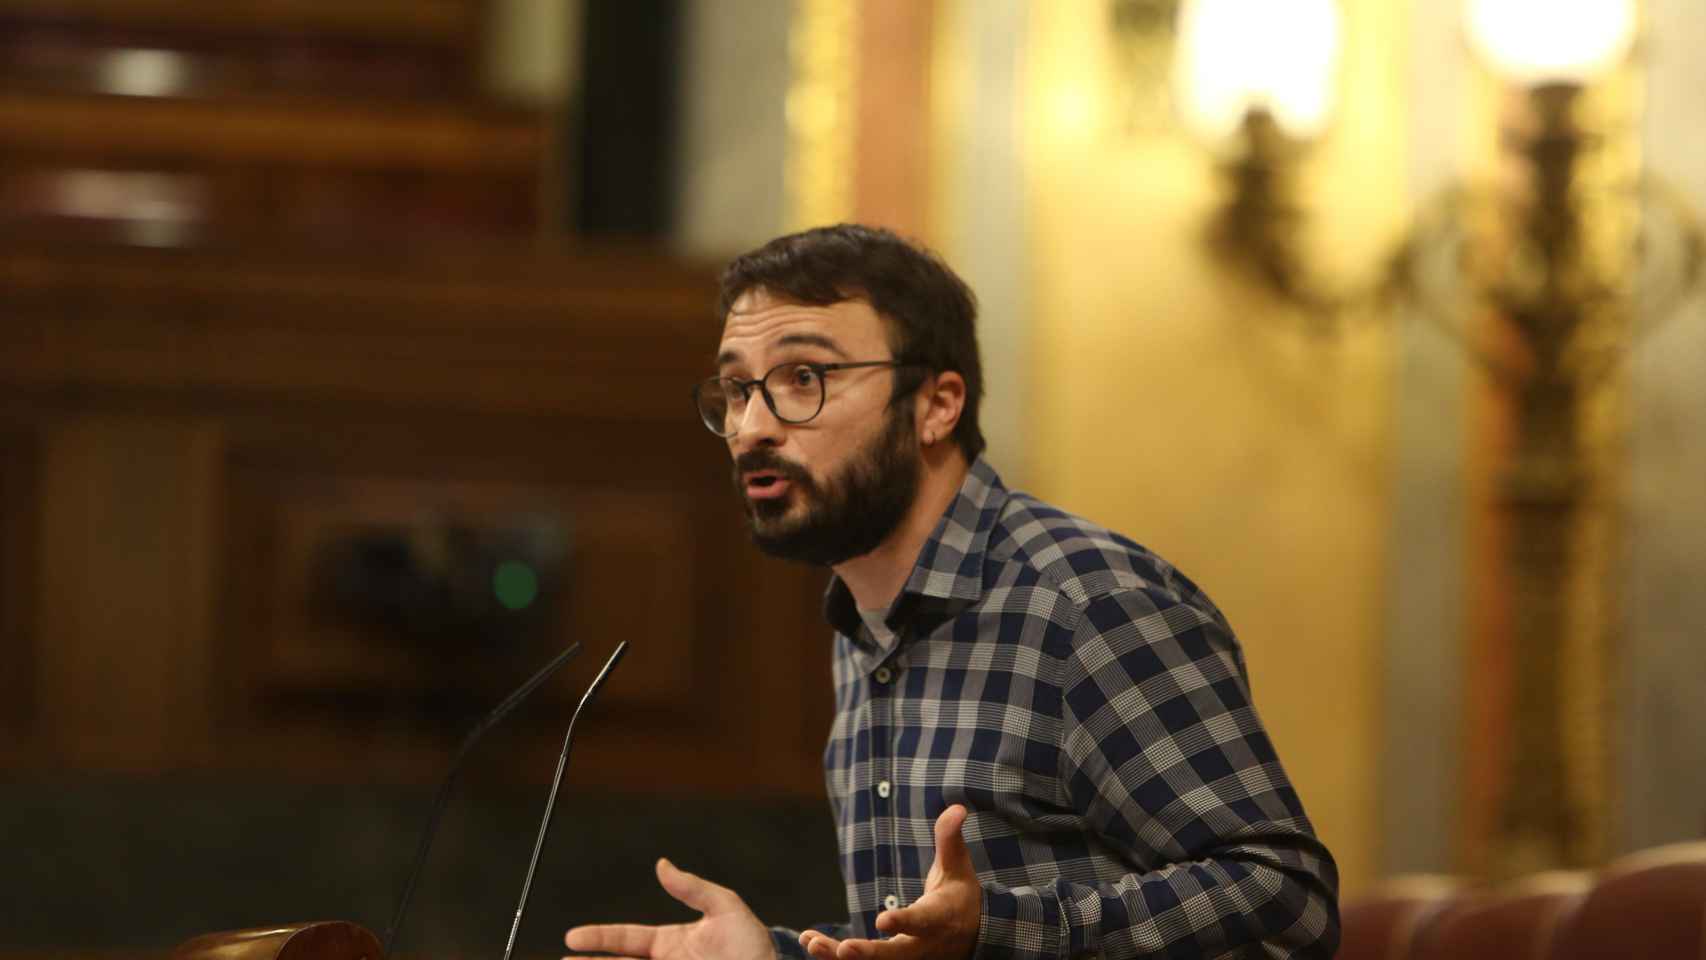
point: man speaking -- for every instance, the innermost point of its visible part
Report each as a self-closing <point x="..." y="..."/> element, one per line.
<point x="1044" y="744"/>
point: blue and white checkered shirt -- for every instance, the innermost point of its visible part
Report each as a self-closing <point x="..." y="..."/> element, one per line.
<point x="1088" y="705"/>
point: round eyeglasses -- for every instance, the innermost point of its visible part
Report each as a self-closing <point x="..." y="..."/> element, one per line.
<point x="793" y="391"/>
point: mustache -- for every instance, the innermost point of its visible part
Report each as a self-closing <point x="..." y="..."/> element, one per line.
<point x="763" y="459"/>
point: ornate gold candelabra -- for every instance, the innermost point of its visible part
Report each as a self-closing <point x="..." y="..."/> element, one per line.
<point x="1543" y="284"/>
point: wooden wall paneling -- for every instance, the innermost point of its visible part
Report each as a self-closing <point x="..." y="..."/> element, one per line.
<point x="794" y="646"/>
<point x="486" y="335"/>
<point x="283" y="133"/>
<point x="19" y="501"/>
<point x="644" y="505"/>
<point x="406" y="285"/>
<point x="627" y="574"/>
<point x="181" y="207"/>
<point x="444" y="21"/>
<point x="123" y="642"/>
<point x="169" y="171"/>
<point x="213" y="57"/>
<point x="238" y="410"/>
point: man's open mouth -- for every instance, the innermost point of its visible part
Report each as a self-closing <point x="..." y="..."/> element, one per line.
<point x="765" y="484"/>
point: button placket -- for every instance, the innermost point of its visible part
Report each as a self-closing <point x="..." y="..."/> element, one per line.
<point x="886" y="786"/>
<point x="882" y="749"/>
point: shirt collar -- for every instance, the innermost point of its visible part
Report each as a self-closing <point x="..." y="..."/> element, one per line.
<point x="949" y="571"/>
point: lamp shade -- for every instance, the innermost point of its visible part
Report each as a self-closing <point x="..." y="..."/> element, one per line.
<point x="1552" y="41"/>
<point x="1238" y="55"/>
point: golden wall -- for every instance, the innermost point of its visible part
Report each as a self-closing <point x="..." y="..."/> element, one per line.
<point x="1175" y="405"/>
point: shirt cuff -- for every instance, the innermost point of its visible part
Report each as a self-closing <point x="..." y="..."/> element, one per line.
<point x="787" y="944"/>
<point x="1022" y="923"/>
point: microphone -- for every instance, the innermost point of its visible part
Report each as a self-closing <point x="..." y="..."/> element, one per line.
<point x="551" y="798"/>
<point x="438" y="802"/>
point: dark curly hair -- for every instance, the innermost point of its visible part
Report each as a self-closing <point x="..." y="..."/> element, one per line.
<point x="930" y="312"/>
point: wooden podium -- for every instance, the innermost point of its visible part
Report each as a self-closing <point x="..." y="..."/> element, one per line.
<point x="315" y="940"/>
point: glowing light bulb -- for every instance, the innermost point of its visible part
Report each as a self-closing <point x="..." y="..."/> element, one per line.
<point x="1239" y="55"/>
<point x="1552" y="41"/>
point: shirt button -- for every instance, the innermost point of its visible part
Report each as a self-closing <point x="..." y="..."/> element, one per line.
<point x="890" y="902"/>
<point x="884" y="675"/>
<point x="883" y="789"/>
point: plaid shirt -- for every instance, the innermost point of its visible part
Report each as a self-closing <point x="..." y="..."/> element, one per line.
<point x="1088" y="704"/>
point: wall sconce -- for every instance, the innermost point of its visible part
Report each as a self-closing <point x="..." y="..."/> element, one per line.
<point x="1530" y="258"/>
<point x="1255" y="80"/>
<point x="1540" y="42"/>
<point x="1274" y="57"/>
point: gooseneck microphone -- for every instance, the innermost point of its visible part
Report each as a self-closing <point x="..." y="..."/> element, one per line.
<point x="491" y="719"/>
<point x="551" y="798"/>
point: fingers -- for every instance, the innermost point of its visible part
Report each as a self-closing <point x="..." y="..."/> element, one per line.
<point x="627" y="939"/>
<point x="952" y="857"/>
<point x="819" y="946"/>
<point x="694" y="891"/>
<point x="921" y="918"/>
<point x="895" y="948"/>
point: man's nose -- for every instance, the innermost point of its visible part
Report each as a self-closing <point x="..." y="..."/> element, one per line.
<point x="757" y="427"/>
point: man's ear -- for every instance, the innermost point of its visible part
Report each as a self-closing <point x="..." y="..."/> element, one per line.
<point x="940" y="402"/>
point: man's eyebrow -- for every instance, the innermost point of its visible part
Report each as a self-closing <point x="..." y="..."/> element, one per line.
<point x="811" y="340"/>
<point x="789" y="340"/>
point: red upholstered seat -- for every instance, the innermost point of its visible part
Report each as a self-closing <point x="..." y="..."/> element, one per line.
<point x="1380" y="925"/>
<point x="1513" y="923"/>
<point x="1650" y="905"/>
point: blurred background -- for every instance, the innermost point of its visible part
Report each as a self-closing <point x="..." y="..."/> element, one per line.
<point x="344" y="354"/>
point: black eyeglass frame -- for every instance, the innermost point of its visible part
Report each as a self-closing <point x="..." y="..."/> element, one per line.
<point x="820" y="369"/>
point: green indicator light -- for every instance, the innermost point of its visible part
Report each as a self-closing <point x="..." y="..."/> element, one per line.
<point x="515" y="585"/>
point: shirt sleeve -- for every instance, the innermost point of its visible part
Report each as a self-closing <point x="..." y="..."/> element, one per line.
<point x="787" y="941"/>
<point x="1163" y="755"/>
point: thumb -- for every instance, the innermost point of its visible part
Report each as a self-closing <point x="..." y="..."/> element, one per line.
<point x="952" y="857"/>
<point x="694" y="891"/>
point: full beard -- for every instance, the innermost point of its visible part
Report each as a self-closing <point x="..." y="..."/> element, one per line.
<point x="848" y="515"/>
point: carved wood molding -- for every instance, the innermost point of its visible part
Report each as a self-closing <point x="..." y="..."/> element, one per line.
<point x="600" y="335"/>
<point x="441" y="20"/>
<point x="432" y="136"/>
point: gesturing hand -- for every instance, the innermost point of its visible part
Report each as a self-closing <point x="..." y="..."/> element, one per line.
<point x="940" y="925"/>
<point x="727" y="930"/>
